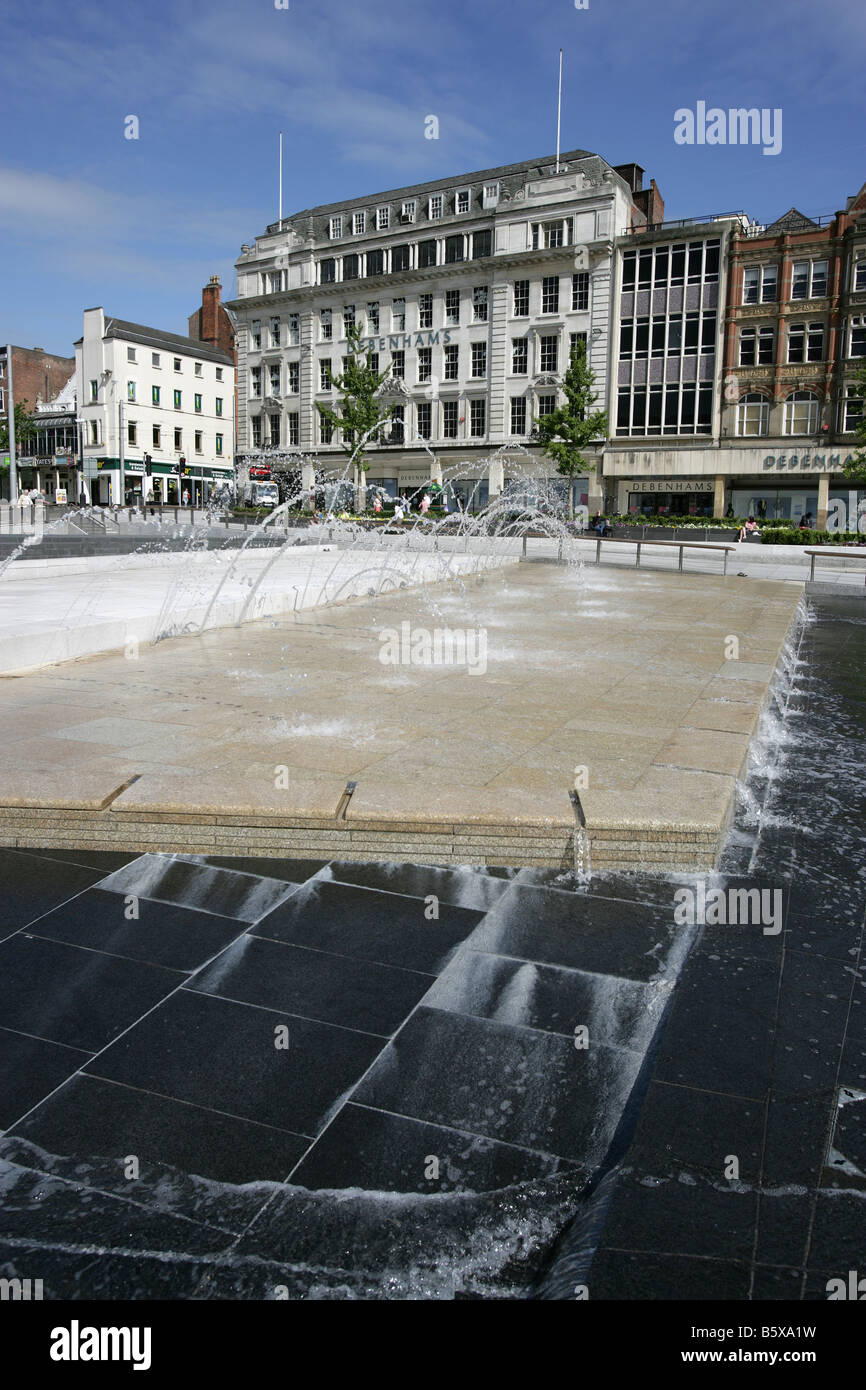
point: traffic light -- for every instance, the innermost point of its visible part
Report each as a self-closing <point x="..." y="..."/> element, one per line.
<point x="148" y="465"/>
<point x="181" y="465"/>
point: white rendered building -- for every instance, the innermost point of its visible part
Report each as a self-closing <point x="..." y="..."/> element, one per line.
<point x="470" y="290"/>
<point x="156" y="413"/>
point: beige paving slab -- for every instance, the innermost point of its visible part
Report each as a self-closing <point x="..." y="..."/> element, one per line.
<point x="705" y="750"/>
<point x="305" y="795"/>
<point x="732" y="716"/>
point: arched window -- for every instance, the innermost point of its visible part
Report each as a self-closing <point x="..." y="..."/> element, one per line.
<point x="753" y="414"/>
<point x="801" y="413"/>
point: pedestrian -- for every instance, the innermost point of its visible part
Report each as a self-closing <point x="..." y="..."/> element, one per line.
<point x="398" y="510"/>
<point x="425" y="504"/>
<point x="377" y="504"/>
<point x="186" y="497"/>
<point x="750" y="529"/>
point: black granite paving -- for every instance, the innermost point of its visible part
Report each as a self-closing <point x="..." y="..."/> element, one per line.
<point x="231" y="1078"/>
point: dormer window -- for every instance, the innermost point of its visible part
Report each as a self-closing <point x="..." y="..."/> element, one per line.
<point x="383" y="219"/>
<point x="435" y="206"/>
<point x="491" y="195"/>
<point x="336" y="228"/>
<point x="359" y="223"/>
<point x="407" y="211"/>
<point x="461" y="201"/>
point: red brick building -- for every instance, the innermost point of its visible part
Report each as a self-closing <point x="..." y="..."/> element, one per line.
<point x="36" y="375"/>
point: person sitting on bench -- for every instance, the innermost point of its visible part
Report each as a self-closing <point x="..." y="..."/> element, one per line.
<point x="750" y="529"/>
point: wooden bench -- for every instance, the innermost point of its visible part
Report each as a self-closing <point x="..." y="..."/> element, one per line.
<point x="840" y="553"/>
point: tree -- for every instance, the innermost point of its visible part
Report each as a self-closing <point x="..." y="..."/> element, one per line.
<point x="856" y="469"/>
<point x="566" y="431"/>
<point x="360" y="410"/>
<point x="25" y="426"/>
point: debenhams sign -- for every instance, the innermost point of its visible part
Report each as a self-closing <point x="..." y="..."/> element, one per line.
<point x="395" y="341"/>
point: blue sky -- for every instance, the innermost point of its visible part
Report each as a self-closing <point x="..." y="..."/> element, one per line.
<point x="88" y="217"/>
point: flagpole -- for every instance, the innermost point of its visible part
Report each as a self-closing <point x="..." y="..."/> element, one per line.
<point x="280" y="216"/>
<point x="559" y="111"/>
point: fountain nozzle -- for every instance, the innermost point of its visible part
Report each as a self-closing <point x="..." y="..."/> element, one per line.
<point x="578" y="809"/>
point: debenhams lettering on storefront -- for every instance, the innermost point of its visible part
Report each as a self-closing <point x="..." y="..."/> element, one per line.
<point x="831" y="463"/>
<point x="403" y="340"/>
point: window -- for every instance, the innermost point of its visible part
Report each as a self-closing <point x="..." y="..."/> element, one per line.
<point x="154" y="395"/>
<point x="131" y="432"/>
<point x="130" y="391"/>
<point x="574" y="339"/>
<point x="482" y="245"/>
<point x="327" y="271"/>
<point x="708" y="335"/>
<point x="197" y="399"/>
<point x="373" y="318"/>
<point x="274" y="378"/>
<point x="398" y="364"/>
<point x="547" y="235"/>
<point x="375" y="263"/>
<point x="326" y="430"/>
<point x="518" y="415"/>
<point x="274" y="425"/>
<point x="199" y="441"/>
<point x="449" y="419"/>
<point x="256" y="423"/>
<point x="255" y="335"/>
<point x="580" y="291"/>
<point x="461" y="202"/>
<point x="479" y="359"/>
<point x="178" y="439"/>
<point x="94" y="390"/>
<point x="425" y="363"/>
<point x="348" y="318"/>
<point x="426" y="253"/>
<point x="351" y="267"/>
<point x="801" y="413"/>
<point x="293" y="372"/>
<point x="401" y="258"/>
<point x="157" y="436"/>
<point x="326" y="324"/>
<point x="490" y="196"/>
<point x="275" y="281"/>
<point x="407" y="211"/>
<point x="451" y="361"/>
<point x="760" y="284"/>
<point x="130" y="354"/>
<point x="809" y="280"/>
<point x="154" y="359"/>
<point x="275" y="336"/>
<point x="521" y="299"/>
<point x="550" y="294"/>
<point x="805" y="342"/>
<point x="424" y="415"/>
<point x="753" y="414"/>
<point x="293" y="428"/>
<point x="294" y="331"/>
<point x="519" y="356"/>
<point x="177" y="400"/>
<point x="198" y="369"/>
<point x="434" y="207"/>
<point x="425" y="311"/>
<point x="479" y="304"/>
<point x="335" y="227"/>
<point x="383" y="218"/>
<point x="546" y="405"/>
<point x="359" y="223"/>
<point x="860" y="275"/>
<point x="219" y="443"/>
<point x="549" y="354"/>
<point x="852" y="410"/>
<point x="325" y="374"/>
<point x="454" y="249"/>
<point x="398" y="315"/>
<point x="756" y="346"/>
<point x="478" y="419"/>
<point x="255" y="381"/>
<point x="94" y="431"/>
<point x="374" y="362"/>
<point x="857" y="342"/>
<point x="452" y="306"/>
